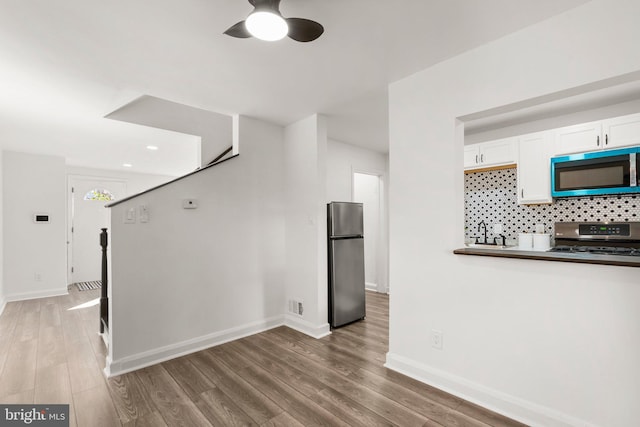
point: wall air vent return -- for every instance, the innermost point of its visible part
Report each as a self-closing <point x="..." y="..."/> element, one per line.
<point x="295" y="307"/>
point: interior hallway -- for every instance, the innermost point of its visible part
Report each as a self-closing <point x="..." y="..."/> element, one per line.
<point x="51" y="353"/>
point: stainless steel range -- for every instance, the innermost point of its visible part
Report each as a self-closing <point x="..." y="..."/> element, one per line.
<point x="611" y="238"/>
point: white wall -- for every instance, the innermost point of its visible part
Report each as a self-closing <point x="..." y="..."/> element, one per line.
<point x="135" y="182"/>
<point x="2" y="297"/>
<point x="548" y="343"/>
<point x="305" y="152"/>
<point x="366" y="190"/>
<point x="190" y="279"/>
<point x="33" y="184"/>
<point x="342" y="161"/>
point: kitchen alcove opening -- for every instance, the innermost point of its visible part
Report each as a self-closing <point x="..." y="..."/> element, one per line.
<point x="367" y="190"/>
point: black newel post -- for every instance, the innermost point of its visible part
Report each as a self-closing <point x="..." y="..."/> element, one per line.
<point x="104" y="303"/>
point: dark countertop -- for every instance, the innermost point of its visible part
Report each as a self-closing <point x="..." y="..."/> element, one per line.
<point x="626" y="261"/>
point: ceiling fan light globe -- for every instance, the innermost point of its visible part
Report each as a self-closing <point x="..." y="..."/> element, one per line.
<point x="267" y="26"/>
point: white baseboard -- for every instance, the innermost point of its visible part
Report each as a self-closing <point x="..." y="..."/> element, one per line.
<point x="371" y="286"/>
<point x="3" y="304"/>
<point x="162" y="354"/>
<point x="513" y="407"/>
<point x="37" y="294"/>
<point x="307" y="328"/>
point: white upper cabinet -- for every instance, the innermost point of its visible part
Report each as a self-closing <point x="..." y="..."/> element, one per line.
<point x="621" y="131"/>
<point x="488" y="154"/>
<point x="534" y="185"/>
<point x="611" y="133"/>
<point x="578" y="138"/>
<point x="471" y="156"/>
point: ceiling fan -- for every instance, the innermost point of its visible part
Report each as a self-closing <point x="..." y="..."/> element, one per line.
<point x="266" y="23"/>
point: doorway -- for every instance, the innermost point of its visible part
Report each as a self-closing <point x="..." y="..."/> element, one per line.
<point x="368" y="190"/>
<point x="87" y="215"/>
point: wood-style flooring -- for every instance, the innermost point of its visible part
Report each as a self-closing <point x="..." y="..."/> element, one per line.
<point x="50" y="352"/>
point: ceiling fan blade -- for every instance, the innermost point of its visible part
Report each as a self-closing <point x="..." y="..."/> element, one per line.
<point x="304" y="30"/>
<point x="238" y="30"/>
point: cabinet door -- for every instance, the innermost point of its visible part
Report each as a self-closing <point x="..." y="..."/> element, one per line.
<point x="500" y="152"/>
<point x="621" y="131"/>
<point x="579" y="138"/>
<point x="471" y="156"/>
<point x="534" y="180"/>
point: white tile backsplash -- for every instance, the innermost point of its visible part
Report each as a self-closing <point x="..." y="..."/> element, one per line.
<point x="492" y="196"/>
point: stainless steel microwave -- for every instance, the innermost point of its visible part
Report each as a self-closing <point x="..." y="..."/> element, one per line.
<point x="596" y="173"/>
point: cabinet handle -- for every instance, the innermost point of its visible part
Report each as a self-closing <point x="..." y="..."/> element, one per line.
<point x="606" y="139"/>
<point x="481" y="158"/>
<point x="476" y="159"/>
<point x="522" y="193"/>
<point x="598" y="140"/>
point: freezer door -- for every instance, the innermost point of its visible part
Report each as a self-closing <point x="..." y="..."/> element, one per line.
<point x="345" y="219"/>
<point x="347" y="299"/>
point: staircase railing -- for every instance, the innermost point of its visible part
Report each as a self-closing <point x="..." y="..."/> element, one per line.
<point x="104" y="301"/>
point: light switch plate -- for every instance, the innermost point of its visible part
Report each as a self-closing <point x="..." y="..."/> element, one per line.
<point x="130" y="216"/>
<point x="144" y="213"/>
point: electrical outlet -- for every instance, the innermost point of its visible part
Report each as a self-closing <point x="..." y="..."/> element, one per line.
<point x="38" y="277"/>
<point x="436" y="339"/>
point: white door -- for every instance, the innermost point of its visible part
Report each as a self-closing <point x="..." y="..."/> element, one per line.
<point x="366" y="190"/>
<point x="88" y="215"/>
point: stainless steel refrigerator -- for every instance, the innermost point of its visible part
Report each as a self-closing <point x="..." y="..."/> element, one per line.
<point x="346" y="263"/>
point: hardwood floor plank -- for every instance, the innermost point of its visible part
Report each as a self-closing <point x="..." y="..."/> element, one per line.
<point x="347" y="410"/>
<point x="235" y="362"/>
<point x="19" y="373"/>
<point x="49" y="312"/>
<point x="51" y="349"/>
<point x="84" y="371"/>
<point x="153" y="419"/>
<point x="28" y="326"/>
<point x="52" y="385"/>
<point x="23" y="397"/>
<point x="220" y="410"/>
<point x="173" y="404"/>
<point x="486" y="416"/>
<point x="130" y="397"/>
<point x="94" y="407"/>
<point x="282" y="420"/>
<point x="255" y="404"/>
<point x="407" y="398"/>
<point x="300" y="407"/>
<point x="301" y="380"/>
<point x="188" y="377"/>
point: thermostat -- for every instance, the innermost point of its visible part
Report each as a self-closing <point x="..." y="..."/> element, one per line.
<point x="41" y="218"/>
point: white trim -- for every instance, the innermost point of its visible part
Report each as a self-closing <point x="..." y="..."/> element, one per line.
<point x="37" y="294"/>
<point x="3" y="304"/>
<point x="371" y="286"/>
<point x="162" y="354"/>
<point x="307" y="328"/>
<point x="513" y="407"/>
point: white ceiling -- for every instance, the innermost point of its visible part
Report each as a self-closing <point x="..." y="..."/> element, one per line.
<point x="66" y="64"/>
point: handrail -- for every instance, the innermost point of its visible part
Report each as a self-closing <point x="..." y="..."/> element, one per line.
<point x="224" y="153"/>
<point x="210" y="165"/>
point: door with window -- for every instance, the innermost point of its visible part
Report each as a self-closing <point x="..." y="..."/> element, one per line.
<point x="88" y="214"/>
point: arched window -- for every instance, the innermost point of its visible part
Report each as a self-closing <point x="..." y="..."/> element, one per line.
<point x="99" y="194"/>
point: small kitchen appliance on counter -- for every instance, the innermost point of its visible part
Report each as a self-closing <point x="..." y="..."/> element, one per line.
<point x="609" y="238"/>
